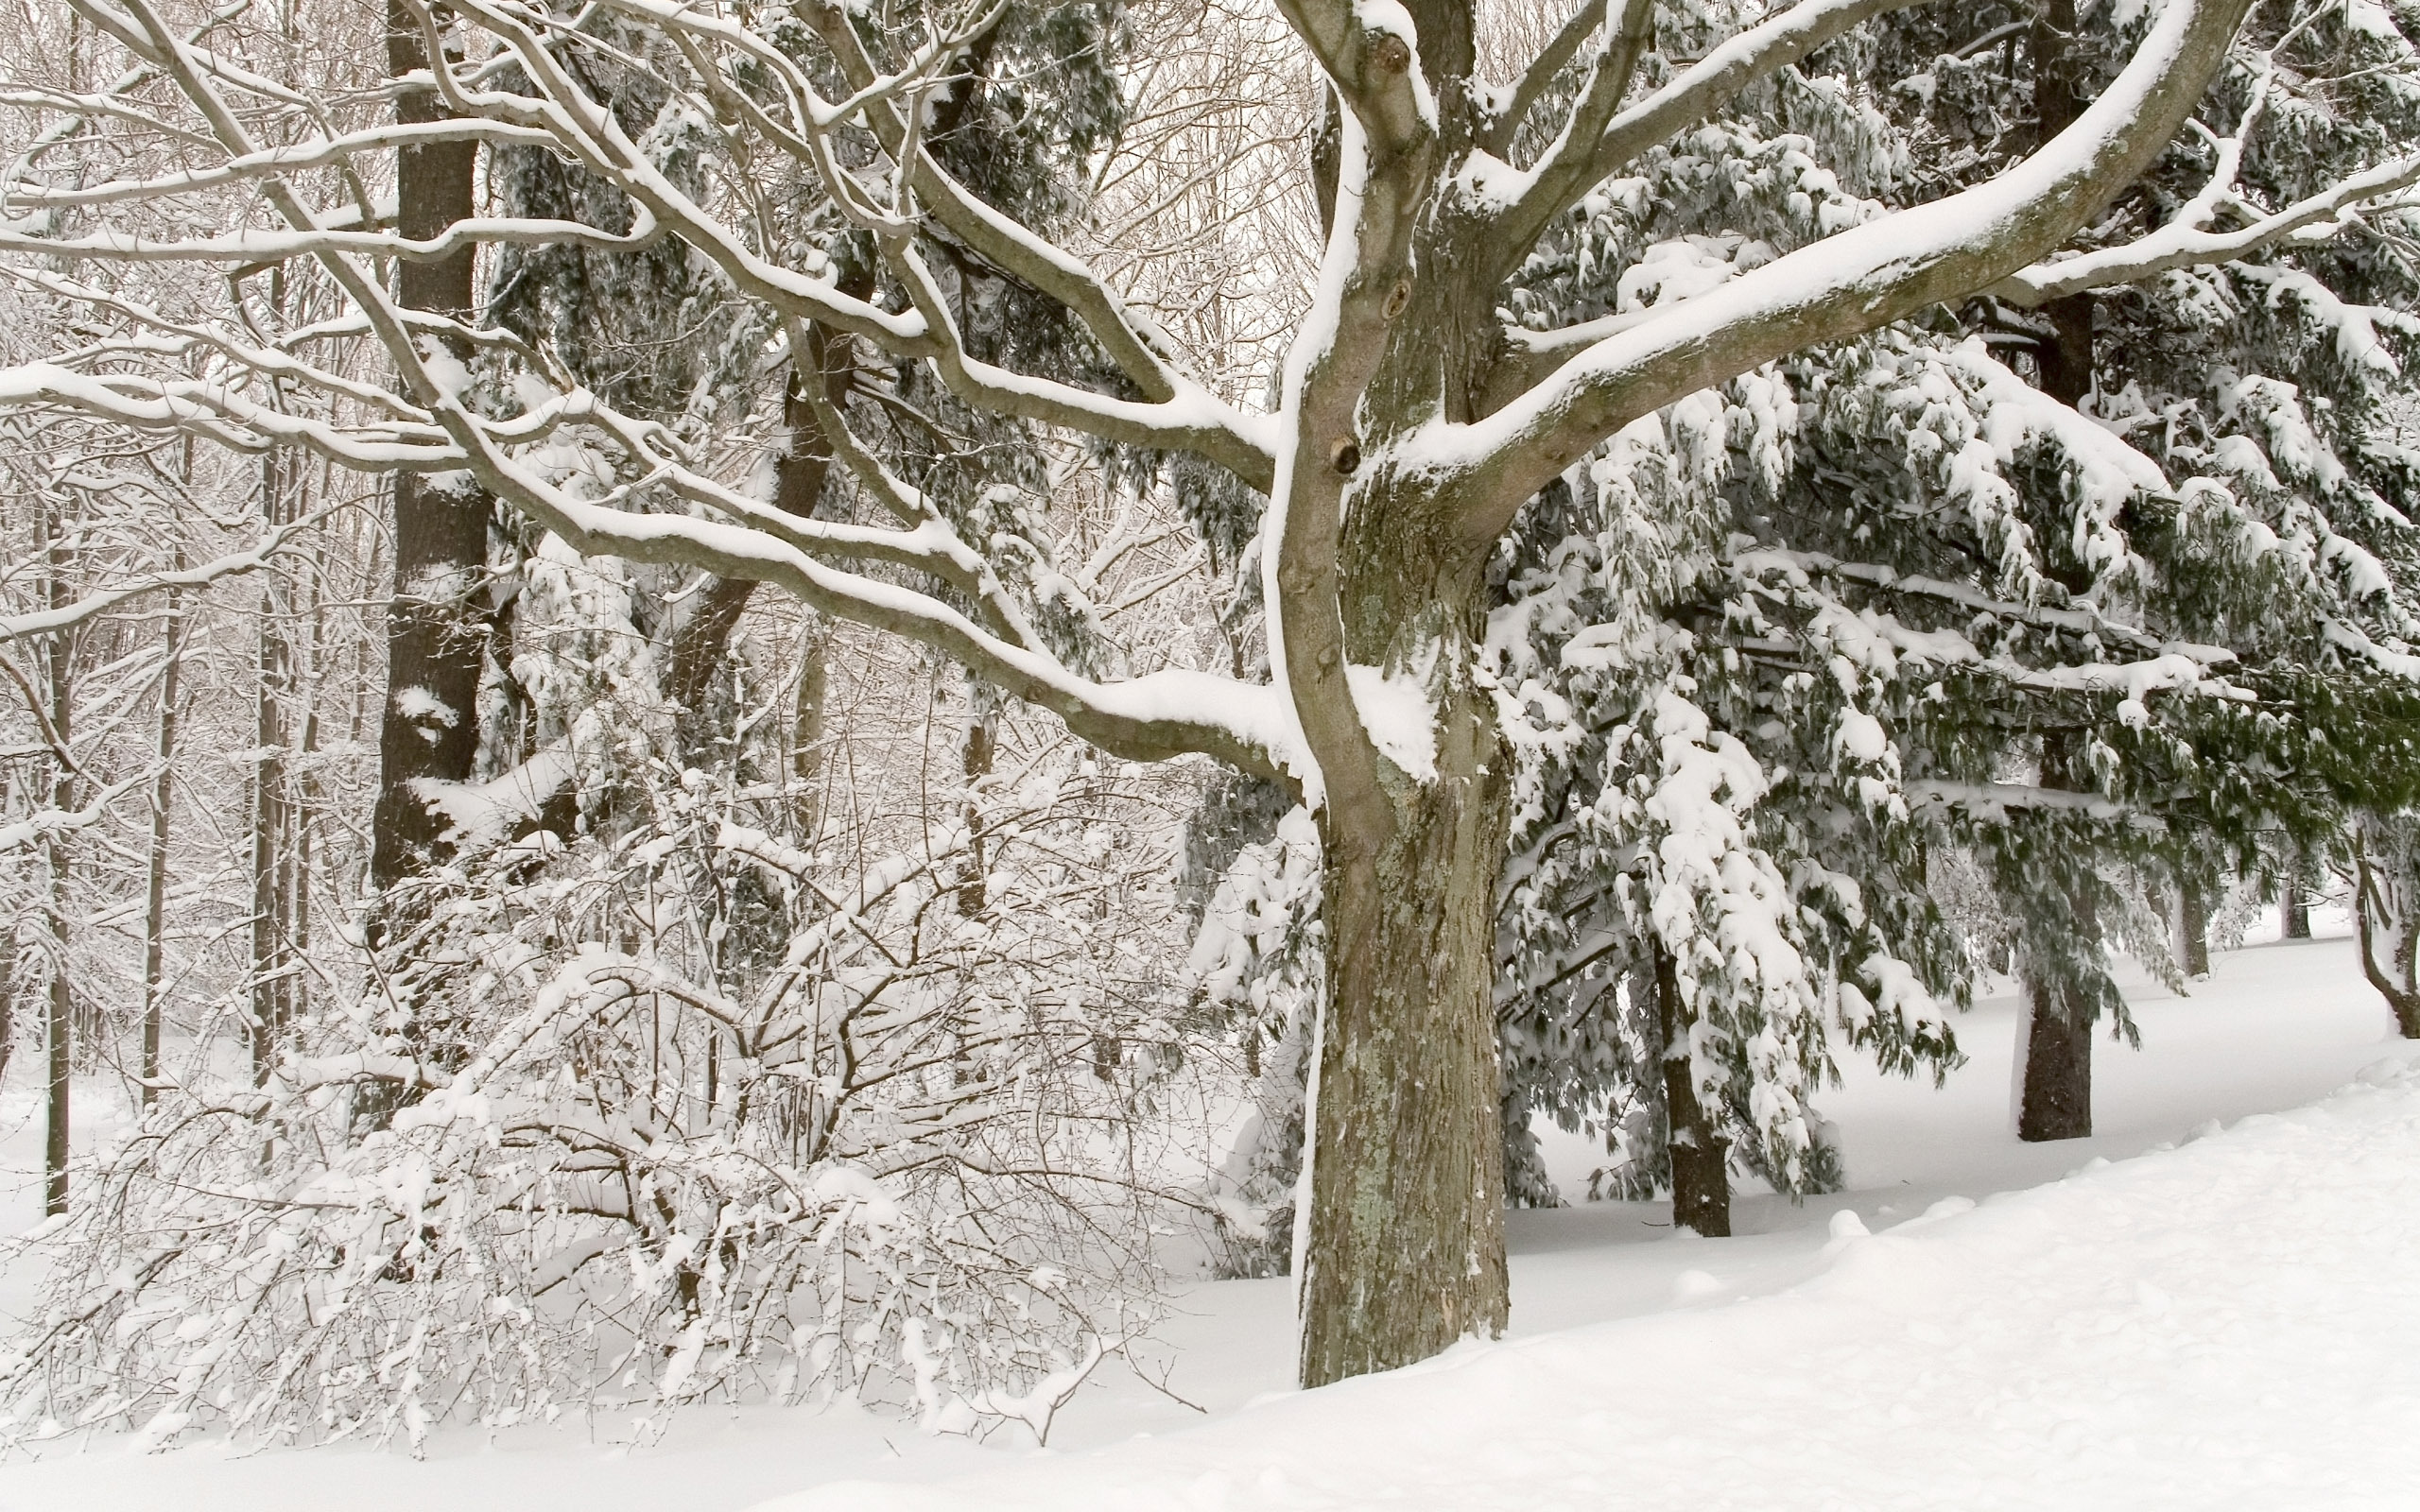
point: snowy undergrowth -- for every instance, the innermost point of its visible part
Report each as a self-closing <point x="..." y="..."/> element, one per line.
<point x="2279" y="1026"/>
<point x="2227" y="1324"/>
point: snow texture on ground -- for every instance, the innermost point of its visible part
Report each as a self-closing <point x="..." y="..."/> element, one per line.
<point x="2226" y="1324"/>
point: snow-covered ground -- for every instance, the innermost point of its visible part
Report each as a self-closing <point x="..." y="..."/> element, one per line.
<point x="2228" y="1323"/>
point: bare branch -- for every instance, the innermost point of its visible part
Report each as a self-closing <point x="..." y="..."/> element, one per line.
<point x="1571" y="165"/>
<point x="1574" y="166"/>
<point x="1526" y="91"/>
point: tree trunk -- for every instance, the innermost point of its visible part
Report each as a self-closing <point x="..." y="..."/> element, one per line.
<point x="2055" y="1099"/>
<point x="1406" y="1233"/>
<point x="436" y="630"/>
<point x="2055" y="1094"/>
<point x="2382" y="918"/>
<point x="11" y="958"/>
<point x="1700" y="1156"/>
<point x="2056" y="1102"/>
<point x="2193" y="928"/>
<point x="983" y="738"/>
<point x="701" y="640"/>
<point x="155" y="894"/>
<point x="271" y="829"/>
<point x="56" y="1026"/>
<point x="806" y="728"/>
<point x="2294" y="907"/>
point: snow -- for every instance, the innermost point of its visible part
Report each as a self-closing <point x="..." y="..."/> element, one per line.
<point x="2221" y="1325"/>
<point x="1395" y="709"/>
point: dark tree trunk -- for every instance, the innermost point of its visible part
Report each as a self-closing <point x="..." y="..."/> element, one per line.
<point x="2057" y="1099"/>
<point x="982" y="739"/>
<point x="1700" y="1156"/>
<point x="2294" y="907"/>
<point x="437" y="623"/>
<point x="155" y="900"/>
<point x="1407" y="1248"/>
<point x="272" y="836"/>
<point x="2193" y="926"/>
<point x="57" y="1029"/>
<point x="701" y="642"/>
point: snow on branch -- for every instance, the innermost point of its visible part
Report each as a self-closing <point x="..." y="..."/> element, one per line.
<point x="273" y="541"/>
<point x="1849" y="283"/>
<point x="2190" y="238"/>
<point x="1370" y="50"/>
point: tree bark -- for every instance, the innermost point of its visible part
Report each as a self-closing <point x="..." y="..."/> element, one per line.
<point x="155" y="892"/>
<point x="806" y="728"/>
<point x="2055" y="1100"/>
<point x="982" y="739"/>
<point x="273" y="676"/>
<point x="57" y="1027"/>
<point x="1700" y="1156"/>
<point x="2055" y="1097"/>
<point x="436" y="630"/>
<point x="2294" y="907"/>
<point x="2193" y="927"/>
<point x="701" y="641"/>
<point x="1406" y="1251"/>
<point x="2387" y="934"/>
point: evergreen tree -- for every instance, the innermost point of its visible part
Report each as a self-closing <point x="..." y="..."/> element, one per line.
<point x="2103" y="585"/>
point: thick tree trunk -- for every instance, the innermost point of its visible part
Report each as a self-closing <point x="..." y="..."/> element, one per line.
<point x="436" y="630"/>
<point x="2193" y="928"/>
<point x="2387" y="934"/>
<point x="2056" y="1102"/>
<point x="1405" y="1234"/>
<point x="1700" y="1156"/>
<point x="2294" y="907"/>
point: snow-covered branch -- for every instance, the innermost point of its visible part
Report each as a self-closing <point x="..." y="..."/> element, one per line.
<point x="1851" y="282"/>
<point x="1597" y="141"/>
<point x="2190" y="240"/>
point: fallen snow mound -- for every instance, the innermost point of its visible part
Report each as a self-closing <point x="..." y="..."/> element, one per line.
<point x="2232" y="1324"/>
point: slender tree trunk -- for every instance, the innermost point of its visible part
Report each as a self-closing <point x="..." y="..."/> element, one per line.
<point x="701" y="641"/>
<point x="807" y="717"/>
<point x="155" y="893"/>
<point x="436" y="622"/>
<point x="57" y="1029"/>
<point x="982" y="737"/>
<point x="1406" y="1251"/>
<point x="1700" y="1156"/>
<point x="271" y="839"/>
<point x="11" y="956"/>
